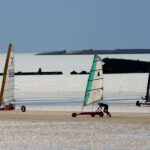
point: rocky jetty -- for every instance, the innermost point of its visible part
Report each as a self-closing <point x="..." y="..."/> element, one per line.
<point x="82" y="72"/>
<point x="39" y="72"/>
<point x="113" y="65"/>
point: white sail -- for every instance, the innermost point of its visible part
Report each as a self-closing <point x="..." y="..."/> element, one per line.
<point x="7" y="89"/>
<point x="94" y="89"/>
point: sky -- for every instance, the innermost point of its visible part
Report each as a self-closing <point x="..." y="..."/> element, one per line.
<point x="44" y="25"/>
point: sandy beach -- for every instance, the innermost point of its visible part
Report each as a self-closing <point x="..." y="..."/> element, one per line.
<point x="57" y="130"/>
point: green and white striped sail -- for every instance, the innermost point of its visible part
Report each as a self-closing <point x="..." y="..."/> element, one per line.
<point x="94" y="89"/>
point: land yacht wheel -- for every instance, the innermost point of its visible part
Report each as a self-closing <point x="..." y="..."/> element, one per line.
<point x="101" y="114"/>
<point x="23" y="108"/>
<point x="138" y="103"/>
<point x="92" y="115"/>
<point x="74" y="114"/>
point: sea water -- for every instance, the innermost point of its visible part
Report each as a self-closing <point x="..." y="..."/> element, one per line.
<point x="69" y="89"/>
<point x="27" y="62"/>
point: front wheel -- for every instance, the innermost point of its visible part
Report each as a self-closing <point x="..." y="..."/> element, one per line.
<point x="74" y="114"/>
<point x="23" y="108"/>
<point x="101" y="114"/>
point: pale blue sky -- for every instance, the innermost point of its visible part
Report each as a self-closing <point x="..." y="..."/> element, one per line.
<point x="40" y="25"/>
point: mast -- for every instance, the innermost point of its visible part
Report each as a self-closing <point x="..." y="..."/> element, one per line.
<point x="10" y="48"/>
<point x="147" y="97"/>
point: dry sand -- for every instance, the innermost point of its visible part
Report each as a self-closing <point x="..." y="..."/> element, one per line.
<point x="58" y="130"/>
<point x="51" y="116"/>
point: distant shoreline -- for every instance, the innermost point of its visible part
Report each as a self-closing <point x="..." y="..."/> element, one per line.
<point x="93" y="52"/>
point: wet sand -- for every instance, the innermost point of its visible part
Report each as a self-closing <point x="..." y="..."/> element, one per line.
<point x="60" y="116"/>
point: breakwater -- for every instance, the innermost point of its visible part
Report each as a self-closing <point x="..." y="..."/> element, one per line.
<point x="110" y="65"/>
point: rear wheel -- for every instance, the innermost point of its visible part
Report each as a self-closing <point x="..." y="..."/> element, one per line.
<point x="23" y="108"/>
<point x="74" y="114"/>
<point x="101" y="114"/>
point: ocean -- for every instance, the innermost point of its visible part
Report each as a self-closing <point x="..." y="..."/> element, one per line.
<point x="31" y="62"/>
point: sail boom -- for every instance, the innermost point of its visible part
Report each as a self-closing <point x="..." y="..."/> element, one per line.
<point x="96" y="79"/>
<point x="96" y="70"/>
<point x="96" y="89"/>
<point x="95" y="102"/>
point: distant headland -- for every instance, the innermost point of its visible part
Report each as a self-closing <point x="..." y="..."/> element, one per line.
<point x="92" y="52"/>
